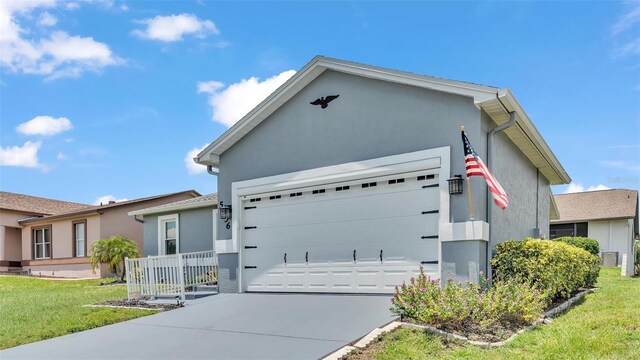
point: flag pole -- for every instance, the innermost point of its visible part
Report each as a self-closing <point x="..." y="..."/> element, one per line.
<point x="471" y="212"/>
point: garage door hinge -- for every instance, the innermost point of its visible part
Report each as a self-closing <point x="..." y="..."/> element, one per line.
<point x="429" y="237"/>
<point x="425" y="262"/>
<point x="250" y="247"/>
<point x="430" y="186"/>
<point x="250" y="227"/>
<point x="250" y="267"/>
<point x="430" y="212"/>
<point x="250" y="207"/>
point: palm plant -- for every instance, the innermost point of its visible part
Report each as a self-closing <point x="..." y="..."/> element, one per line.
<point x="113" y="251"/>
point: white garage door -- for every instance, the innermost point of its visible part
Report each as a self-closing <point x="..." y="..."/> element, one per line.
<point x="364" y="236"/>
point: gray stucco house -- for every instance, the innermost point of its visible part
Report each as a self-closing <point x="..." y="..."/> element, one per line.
<point x="353" y="197"/>
<point x="179" y="227"/>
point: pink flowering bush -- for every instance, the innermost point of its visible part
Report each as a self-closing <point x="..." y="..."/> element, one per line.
<point x="468" y="306"/>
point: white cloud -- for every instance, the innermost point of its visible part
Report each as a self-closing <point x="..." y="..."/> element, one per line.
<point x="630" y="47"/>
<point x="62" y="156"/>
<point x="45" y="125"/>
<point x="231" y="104"/>
<point x="626" y="21"/>
<point x="625" y="30"/>
<point x="22" y="156"/>
<point x="621" y="164"/>
<point x="577" y="187"/>
<point x="173" y="27"/>
<point x="46" y="19"/>
<point x="106" y="198"/>
<point x="192" y="167"/>
<point x="54" y="55"/>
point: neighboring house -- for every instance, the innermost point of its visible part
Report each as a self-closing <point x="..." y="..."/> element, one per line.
<point x="58" y="245"/>
<point x="14" y="207"/>
<point x="179" y="227"/>
<point x="609" y="216"/>
<point x="353" y="198"/>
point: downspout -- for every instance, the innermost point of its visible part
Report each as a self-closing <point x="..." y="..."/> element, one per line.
<point x="508" y="124"/>
<point x="210" y="170"/>
<point x="136" y="218"/>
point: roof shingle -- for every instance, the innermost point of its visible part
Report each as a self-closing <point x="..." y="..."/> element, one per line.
<point x="96" y="208"/>
<point x="37" y="205"/>
<point x="597" y="205"/>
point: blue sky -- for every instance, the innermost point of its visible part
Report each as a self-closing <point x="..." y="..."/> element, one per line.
<point x="106" y="99"/>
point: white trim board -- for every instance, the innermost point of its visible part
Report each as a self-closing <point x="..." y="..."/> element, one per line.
<point x="531" y="142"/>
<point x="438" y="158"/>
<point x="161" y="219"/>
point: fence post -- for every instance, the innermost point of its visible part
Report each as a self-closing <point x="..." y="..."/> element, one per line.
<point x="126" y="269"/>
<point x="181" y="277"/>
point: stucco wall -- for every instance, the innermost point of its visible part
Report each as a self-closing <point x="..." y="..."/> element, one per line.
<point x="115" y="221"/>
<point x="76" y="271"/>
<point x="529" y="192"/>
<point x="371" y="119"/>
<point x="613" y="235"/>
<point x="11" y="243"/>
<point x="196" y="230"/>
<point x="61" y="236"/>
<point x="10" y="218"/>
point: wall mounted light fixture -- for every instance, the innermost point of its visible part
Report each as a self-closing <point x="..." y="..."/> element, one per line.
<point x="455" y="185"/>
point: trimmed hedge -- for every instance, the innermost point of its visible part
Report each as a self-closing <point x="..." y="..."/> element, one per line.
<point x="556" y="268"/>
<point x="591" y="245"/>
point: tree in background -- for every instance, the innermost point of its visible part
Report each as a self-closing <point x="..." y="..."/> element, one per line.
<point x="113" y="251"/>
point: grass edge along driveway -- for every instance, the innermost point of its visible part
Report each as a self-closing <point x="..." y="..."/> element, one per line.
<point x="33" y="309"/>
<point x="605" y="325"/>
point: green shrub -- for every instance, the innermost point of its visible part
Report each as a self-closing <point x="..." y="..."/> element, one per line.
<point x="556" y="268"/>
<point x="591" y="245"/>
<point x="459" y="306"/>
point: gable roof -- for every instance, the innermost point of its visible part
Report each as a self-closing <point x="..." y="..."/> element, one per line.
<point x="597" y="205"/>
<point x="195" y="203"/>
<point x="496" y="102"/>
<point x="36" y="205"/>
<point x="97" y="209"/>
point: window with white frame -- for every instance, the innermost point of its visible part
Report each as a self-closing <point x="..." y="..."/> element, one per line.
<point x="80" y="238"/>
<point x="42" y="242"/>
<point x="168" y="235"/>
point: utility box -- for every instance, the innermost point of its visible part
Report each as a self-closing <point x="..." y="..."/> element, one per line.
<point x="610" y="258"/>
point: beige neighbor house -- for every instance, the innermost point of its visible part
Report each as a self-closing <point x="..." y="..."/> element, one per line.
<point x="58" y="245"/>
<point x="609" y="216"/>
<point x="14" y="207"/>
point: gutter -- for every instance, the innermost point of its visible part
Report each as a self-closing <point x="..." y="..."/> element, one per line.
<point x="489" y="209"/>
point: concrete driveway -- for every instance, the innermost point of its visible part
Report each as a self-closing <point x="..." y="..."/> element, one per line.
<point x="226" y="326"/>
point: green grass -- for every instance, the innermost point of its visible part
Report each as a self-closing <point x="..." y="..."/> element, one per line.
<point x="605" y="325"/>
<point x="34" y="309"/>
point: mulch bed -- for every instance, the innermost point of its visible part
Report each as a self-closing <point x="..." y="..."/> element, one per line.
<point x="139" y="304"/>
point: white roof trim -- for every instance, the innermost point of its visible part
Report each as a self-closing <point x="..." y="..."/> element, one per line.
<point x="177" y="207"/>
<point x="211" y="154"/>
<point x="481" y="95"/>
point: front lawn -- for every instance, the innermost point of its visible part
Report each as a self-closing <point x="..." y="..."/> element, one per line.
<point x="33" y="309"/>
<point x="606" y="325"/>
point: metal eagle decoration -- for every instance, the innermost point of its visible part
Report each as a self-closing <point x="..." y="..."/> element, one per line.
<point x="324" y="101"/>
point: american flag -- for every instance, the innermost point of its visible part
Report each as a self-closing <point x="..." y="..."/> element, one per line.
<point x="476" y="167"/>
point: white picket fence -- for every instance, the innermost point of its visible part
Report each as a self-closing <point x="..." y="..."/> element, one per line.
<point x="170" y="274"/>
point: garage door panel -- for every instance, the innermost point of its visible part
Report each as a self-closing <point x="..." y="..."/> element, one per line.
<point x="325" y="208"/>
<point x="319" y="233"/>
<point x="394" y="229"/>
